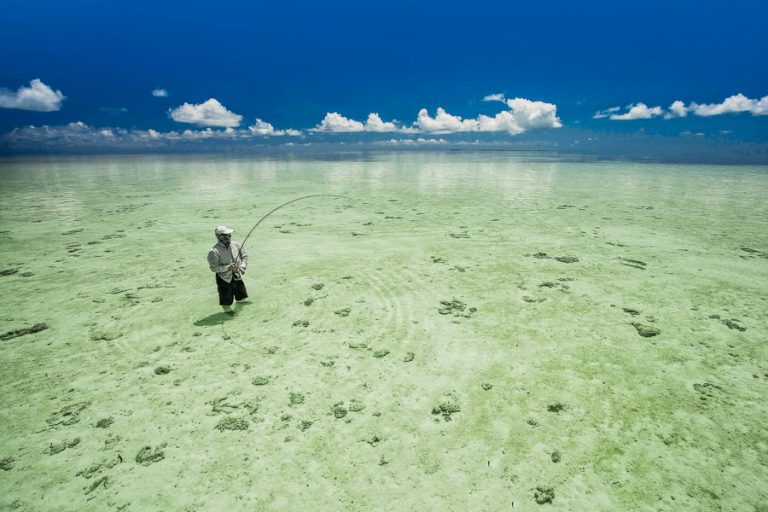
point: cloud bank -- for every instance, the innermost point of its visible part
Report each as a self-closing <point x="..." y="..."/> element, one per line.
<point x="523" y="115"/>
<point x="209" y="113"/>
<point x="37" y="97"/>
<point x="732" y="105"/>
<point x="337" y="123"/>
<point x="159" y="93"/>
<point x="738" y="103"/>
<point x="265" y="129"/>
<point x="81" y="136"/>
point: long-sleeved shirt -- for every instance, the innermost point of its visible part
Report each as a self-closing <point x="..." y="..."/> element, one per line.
<point x="221" y="257"/>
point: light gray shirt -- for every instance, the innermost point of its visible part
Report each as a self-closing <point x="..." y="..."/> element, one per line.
<point x="220" y="258"/>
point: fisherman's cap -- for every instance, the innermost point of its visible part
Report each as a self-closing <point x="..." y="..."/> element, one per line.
<point x="224" y="230"/>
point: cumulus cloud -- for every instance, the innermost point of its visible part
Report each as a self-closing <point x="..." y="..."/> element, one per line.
<point x="523" y="115"/>
<point x="534" y="114"/>
<point x="732" y="105"/>
<point x="443" y="122"/>
<point x="676" y="109"/>
<point x="209" y="113"/>
<point x="37" y="97"/>
<point x="335" y="122"/>
<point x="375" y="124"/>
<point x="637" y="111"/>
<point x="265" y="129"/>
<point x="159" y="93"/>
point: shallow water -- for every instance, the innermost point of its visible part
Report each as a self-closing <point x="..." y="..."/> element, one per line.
<point x="629" y="374"/>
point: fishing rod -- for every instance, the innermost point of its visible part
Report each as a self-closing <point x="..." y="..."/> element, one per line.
<point x="239" y="251"/>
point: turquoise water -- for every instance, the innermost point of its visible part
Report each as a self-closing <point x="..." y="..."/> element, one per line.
<point x="464" y="332"/>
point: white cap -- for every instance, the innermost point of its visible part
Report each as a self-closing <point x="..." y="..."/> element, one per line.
<point x="224" y="230"/>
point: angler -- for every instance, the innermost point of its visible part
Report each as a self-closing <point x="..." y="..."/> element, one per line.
<point x="229" y="260"/>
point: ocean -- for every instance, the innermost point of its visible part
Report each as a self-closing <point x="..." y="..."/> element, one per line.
<point x="459" y="331"/>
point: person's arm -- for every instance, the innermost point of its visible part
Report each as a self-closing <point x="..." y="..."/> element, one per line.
<point x="213" y="262"/>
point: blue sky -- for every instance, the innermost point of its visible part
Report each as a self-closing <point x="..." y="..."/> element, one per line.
<point x="292" y="63"/>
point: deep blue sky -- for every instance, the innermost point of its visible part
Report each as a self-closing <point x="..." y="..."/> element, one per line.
<point x="291" y="62"/>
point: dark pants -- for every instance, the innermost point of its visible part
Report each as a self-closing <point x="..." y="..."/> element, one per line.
<point x="229" y="290"/>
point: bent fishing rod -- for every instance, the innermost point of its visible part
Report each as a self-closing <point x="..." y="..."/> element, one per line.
<point x="239" y="251"/>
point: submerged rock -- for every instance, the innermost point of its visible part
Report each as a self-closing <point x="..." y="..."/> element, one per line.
<point x="147" y="456"/>
<point x="455" y="307"/>
<point x="544" y="495"/>
<point x="104" y="422"/>
<point x="21" y="332"/>
<point x="446" y="408"/>
<point x="556" y="407"/>
<point x="339" y="411"/>
<point x="732" y="323"/>
<point x="232" y="423"/>
<point x="646" y="331"/>
<point x="68" y="415"/>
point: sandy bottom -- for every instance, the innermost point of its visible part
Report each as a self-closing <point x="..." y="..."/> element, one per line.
<point x="465" y="332"/>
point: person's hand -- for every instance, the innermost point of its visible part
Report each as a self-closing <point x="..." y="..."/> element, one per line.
<point x="233" y="268"/>
<point x="241" y="270"/>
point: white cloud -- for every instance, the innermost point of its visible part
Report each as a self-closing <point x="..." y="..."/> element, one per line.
<point x="264" y="128"/>
<point x="79" y="135"/>
<point x="494" y="97"/>
<point x="534" y="114"/>
<point x="637" y="111"/>
<point x="413" y="142"/>
<point x="523" y="115"/>
<point x="732" y="105"/>
<point x="159" y="93"/>
<point x="504" y="121"/>
<point x="375" y="124"/>
<point x="676" y="109"/>
<point x="600" y="114"/>
<point x="335" y="122"/>
<point x="443" y="122"/>
<point x="209" y="113"/>
<point x="38" y="97"/>
<point x="208" y="134"/>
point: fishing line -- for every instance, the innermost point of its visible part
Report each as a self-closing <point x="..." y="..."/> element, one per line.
<point x="239" y="251"/>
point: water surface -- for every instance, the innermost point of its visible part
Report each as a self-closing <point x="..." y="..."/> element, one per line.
<point x="464" y="332"/>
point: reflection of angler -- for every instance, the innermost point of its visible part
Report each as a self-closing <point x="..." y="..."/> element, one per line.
<point x="240" y="251"/>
